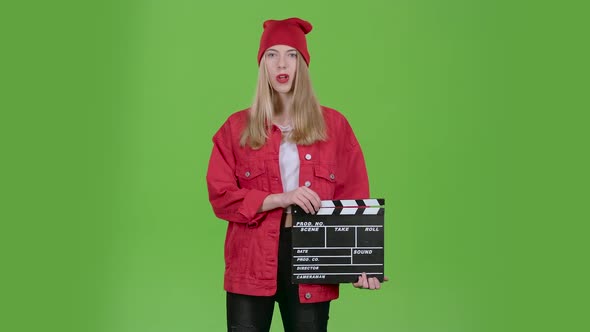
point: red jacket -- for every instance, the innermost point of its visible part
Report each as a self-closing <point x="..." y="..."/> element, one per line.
<point x="240" y="178"/>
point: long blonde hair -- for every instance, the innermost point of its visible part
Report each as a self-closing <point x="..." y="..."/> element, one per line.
<point x="306" y="113"/>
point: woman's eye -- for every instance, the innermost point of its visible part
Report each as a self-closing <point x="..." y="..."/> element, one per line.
<point x="270" y="55"/>
<point x="293" y="55"/>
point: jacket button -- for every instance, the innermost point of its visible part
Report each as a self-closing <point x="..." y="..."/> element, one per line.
<point x="307" y="184"/>
<point x="308" y="296"/>
<point x="332" y="176"/>
<point x="308" y="157"/>
<point x="247" y="174"/>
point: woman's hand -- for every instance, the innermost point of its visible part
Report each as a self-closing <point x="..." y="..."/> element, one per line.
<point x="368" y="283"/>
<point x="304" y="197"/>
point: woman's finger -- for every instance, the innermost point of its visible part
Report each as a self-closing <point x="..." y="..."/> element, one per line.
<point x="377" y="283"/>
<point x="371" y="283"/>
<point x="313" y="198"/>
<point x="308" y="204"/>
<point x="316" y="199"/>
<point x="302" y="204"/>
<point x="358" y="284"/>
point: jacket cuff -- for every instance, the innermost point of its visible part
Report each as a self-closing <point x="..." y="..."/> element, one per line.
<point x="250" y="206"/>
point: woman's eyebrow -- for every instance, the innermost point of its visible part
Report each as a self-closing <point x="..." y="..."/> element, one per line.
<point x="274" y="50"/>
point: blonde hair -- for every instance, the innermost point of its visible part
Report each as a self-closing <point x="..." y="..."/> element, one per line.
<point x="306" y="113"/>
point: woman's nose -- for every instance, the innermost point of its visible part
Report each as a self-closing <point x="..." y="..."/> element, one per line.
<point x="282" y="62"/>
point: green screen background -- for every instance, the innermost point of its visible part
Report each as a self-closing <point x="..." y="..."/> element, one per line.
<point x="470" y="115"/>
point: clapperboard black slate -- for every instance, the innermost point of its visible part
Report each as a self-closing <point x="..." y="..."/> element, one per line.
<point x="338" y="243"/>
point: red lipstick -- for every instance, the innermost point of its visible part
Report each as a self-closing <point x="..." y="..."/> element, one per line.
<point x="282" y="78"/>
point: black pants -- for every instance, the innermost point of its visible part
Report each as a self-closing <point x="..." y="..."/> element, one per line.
<point x="254" y="313"/>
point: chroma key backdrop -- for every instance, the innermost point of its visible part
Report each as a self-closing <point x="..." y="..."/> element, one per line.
<point x="472" y="115"/>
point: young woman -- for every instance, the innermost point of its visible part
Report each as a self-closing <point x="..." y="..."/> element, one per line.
<point x="285" y="149"/>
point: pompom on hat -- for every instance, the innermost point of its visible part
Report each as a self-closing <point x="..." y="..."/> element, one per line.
<point x="290" y="32"/>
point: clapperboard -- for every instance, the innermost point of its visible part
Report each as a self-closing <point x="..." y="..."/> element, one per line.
<point x="338" y="243"/>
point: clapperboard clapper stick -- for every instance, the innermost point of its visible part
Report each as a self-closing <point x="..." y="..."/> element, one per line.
<point x="338" y="243"/>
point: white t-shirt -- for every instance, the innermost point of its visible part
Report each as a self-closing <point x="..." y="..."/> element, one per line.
<point x="288" y="162"/>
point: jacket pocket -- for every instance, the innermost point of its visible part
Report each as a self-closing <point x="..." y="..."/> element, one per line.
<point x="325" y="179"/>
<point x="252" y="176"/>
<point x="236" y="249"/>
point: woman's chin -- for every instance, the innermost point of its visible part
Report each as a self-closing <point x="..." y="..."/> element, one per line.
<point x="282" y="89"/>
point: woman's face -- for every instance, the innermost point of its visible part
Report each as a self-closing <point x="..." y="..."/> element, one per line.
<point x="281" y="63"/>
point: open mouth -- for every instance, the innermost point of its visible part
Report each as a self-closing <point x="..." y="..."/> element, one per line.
<point x="282" y="78"/>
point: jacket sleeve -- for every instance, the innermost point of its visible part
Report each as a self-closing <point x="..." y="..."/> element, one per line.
<point x="230" y="202"/>
<point x="353" y="181"/>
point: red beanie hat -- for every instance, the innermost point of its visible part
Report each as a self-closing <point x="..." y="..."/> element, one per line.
<point x="290" y="32"/>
